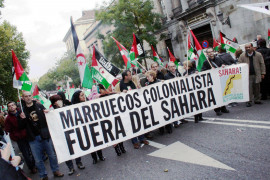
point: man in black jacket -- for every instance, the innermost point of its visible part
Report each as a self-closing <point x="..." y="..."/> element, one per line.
<point x="215" y="63"/>
<point x="226" y="58"/>
<point x="34" y="121"/>
<point x="172" y="73"/>
<point x="265" y="86"/>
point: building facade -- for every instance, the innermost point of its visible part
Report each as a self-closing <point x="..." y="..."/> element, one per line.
<point x="206" y="18"/>
<point x="81" y="25"/>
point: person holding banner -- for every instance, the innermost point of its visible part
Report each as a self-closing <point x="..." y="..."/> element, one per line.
<point x="119" y="148"/>
<point x="34" y="120"/>
<point x="57" y="102"/>
<point x="79" y="97"/>
<point x="19" y="135"/>
<point x="172" y="73"/>
<point x="190" y="69"/>
<point x="154" y="67"/>
<point x="216" y="62"/>
<point x="126" y="84"/>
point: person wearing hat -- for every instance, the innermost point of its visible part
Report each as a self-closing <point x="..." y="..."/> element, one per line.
<point x="57" y="102"/>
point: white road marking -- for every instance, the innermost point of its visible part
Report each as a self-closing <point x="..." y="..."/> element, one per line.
<point x="156" y="145"/>
<point x="181" y="152"/>
<point x="235" y="124"/>
<point x="238" y="120"/>
<point x="214" y="121"/>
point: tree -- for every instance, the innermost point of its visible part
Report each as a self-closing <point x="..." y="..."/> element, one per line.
<point x="66" y="66"/>
<point x="1" y="3"/>
<point x="128" y="16"/>
<point x="10" y="38"/>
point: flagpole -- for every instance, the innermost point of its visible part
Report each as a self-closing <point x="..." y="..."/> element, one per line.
<point x="203" y="53"/>
<point x="141" y="66"/>
<point x="19" y="96"/>
<point x="187" y="53"/>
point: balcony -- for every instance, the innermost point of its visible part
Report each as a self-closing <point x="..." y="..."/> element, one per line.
<point x="194" y="3"/>
<point x="177" y="11"/>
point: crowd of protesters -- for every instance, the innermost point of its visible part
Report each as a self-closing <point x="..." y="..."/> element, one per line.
<point x="28" y="127"/>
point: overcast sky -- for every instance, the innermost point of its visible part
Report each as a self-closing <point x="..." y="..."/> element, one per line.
<point x="44" y="24"/>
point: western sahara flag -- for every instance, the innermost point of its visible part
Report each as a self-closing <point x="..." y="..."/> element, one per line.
<point x="228" y="44"/>
<point x="20" y="79"/>
<point x="198" y="51"/>
<point x="125" y="54"/>
<point x="215" y="44"/>
<point x="85" y="74"/>
<point x="172" y="58"/>
<point x="191" y="53"/>
<point x="156" y="57"/>
<point x="268" y="34"/>
<point x="42" y="98"/>
<point x="102" y="70"/>
<point x="136" y="51"/>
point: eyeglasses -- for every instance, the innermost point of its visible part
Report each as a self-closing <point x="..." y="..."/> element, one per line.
<point x="154" y="66"/>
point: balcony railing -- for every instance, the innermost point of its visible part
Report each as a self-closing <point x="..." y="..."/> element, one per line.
<point x="194" y="3"/>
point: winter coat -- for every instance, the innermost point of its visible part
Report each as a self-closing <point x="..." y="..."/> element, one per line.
<point x="207" y="66"/>
<point x="12" y="127"/>
<point x="169" y="75"/>
<point x="266" y="54"/>
<point x="258" y="64"/>
<point x="226" y="58"/>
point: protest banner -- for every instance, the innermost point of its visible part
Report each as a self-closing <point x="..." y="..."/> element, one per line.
<point x="83" y="128"/>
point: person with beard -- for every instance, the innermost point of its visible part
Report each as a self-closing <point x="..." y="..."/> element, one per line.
<point x="57" y="102"/>
<point x="19" y="135"/>
<point x="216" y="62"/>
<point x="79" y="97"/>
<point x="256" y="72"/>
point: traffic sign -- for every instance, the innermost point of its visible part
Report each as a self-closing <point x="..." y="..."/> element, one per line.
<point x="205" y="44"/>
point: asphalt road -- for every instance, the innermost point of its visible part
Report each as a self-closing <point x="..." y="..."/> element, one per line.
<point x="232" y="146"/>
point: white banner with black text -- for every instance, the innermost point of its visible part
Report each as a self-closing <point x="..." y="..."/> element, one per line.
<point x="86" y="127"/>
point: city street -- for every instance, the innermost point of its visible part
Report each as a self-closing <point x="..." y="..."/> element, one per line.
<point x="232" y="146"/>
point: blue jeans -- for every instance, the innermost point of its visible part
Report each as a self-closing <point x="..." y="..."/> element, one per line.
<point x="135" y="140"/>
<point x="38" y="146"/>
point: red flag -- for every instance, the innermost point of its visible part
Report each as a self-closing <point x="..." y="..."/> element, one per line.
<point x="268" y="34"/>
<point x="172" y="58"/>
<point x="72" y="86"/>
<point x="17" y="66"/>
<point x="36" y="91"/>
<point x="196" y="42"/>
<point x="134" y="46"/>
<point x="124" y="52"/>
<point x="215" y="44"/>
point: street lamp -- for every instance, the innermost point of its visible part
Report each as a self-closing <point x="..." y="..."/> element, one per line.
<point x="221" y="19"/>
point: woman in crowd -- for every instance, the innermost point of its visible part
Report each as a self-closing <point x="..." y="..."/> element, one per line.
<point x="190" y="69"/>
<point x="119" y="148"/>
<point x="152" y="79"/>
<point x="57" y="102"/>
<point x="79" y="97"/>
